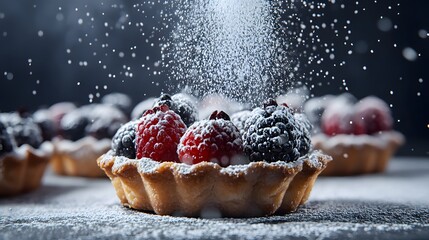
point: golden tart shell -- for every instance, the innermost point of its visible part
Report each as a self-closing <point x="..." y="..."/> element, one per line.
<point x="22" y="170"/>
<point x="358" y="154"/>
<point x="79" y="158"/>
<point x="255" y="189"/>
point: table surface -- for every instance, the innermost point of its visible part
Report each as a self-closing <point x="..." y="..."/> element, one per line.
<point x="392" y="205"/>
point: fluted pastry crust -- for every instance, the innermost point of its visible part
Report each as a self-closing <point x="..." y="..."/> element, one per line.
<point x="22" y="170"/>
<point x="79" y="158"/>
<point x="358" y="154"/>
<point x="255" y="189"/>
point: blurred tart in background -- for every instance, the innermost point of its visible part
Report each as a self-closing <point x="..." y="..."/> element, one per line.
<point x="23" y="154"/>
<point x="358" y="135"/>
<point x="85" y="133"/>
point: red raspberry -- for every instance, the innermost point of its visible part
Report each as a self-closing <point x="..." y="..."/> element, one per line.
<point x="215" y="140"/>
<point x="158" y="132"/>
<point x="375" y="115"/>
<point x="338" y="118"/>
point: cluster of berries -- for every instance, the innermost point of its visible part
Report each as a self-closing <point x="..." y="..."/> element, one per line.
<point x="16" y="131"/>
<point x="171" y="132"/>
<point x="370" y="115"/>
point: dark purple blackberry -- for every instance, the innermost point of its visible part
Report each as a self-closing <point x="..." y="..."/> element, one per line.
<point x="74" y="123"/>
<point x="104" y="121"/>
<point x="27" y="131"/>
<point x="123" y="143"/>
<point x="273" y="134"/>
<point x="181" y="105"/>
<point x="6" y="141"/>
<point x="44" y="120"/>
<point x="23" y="130"/>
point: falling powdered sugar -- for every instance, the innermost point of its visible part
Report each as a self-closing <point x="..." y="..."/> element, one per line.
<point x="246" y="45"/>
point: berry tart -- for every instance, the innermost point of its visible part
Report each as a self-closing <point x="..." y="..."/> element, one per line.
<point x="358" y="135"/>
<point x="158" y="164"/>
<point x="85" y="134"/>
<point x="23" y="154"/>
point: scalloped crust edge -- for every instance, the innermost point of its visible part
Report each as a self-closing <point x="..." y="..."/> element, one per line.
<point x="79" y="158"/>
<point x="256" y="189"/>
<point x="358" y="154"/>
<point x="23" y="171"/>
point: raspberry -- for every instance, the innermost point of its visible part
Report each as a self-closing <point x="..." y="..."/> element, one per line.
<point x="123" y="143"/>
<point x="338" y="118"/>
<point x="6" y="141"/>
<point x="215" y="140"/>
<point x="158" y="133"/>
<point x="180" y="105"/>
<point x="375" y="114"/>
<point x="273" y="134"/>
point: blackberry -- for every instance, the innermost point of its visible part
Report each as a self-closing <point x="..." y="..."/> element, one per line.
<point x="23" y="130"/>
<point x="43" y="119"/>
<point x="123" y="143"/>
<point x="6" y="141"/>
<point x="104" y="121"/>
<point x="27" y="131"/>
<point x="181" y="105"/>
<point x="303" y="142"/>
<point x="74" y="123"/>
<point x="273" y="134"/>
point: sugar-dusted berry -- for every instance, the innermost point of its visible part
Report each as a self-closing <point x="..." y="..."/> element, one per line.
<point x="158" y="134"/>
<point x="214" y="140"/>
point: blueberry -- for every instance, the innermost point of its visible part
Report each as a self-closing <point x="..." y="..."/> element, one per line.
<point x="123" y="143"/>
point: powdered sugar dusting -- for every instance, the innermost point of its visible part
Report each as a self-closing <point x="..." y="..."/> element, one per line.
<point x="83" y="208"/>
<point x="84" y="147"/>
<point x="381" y="140"/>
<point x="147" y="165"/>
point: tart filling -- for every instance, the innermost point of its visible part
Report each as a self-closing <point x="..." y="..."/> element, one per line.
<point x="255" y="189"/>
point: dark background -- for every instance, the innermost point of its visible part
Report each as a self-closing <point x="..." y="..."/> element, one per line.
<point x="48" y="55"/>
